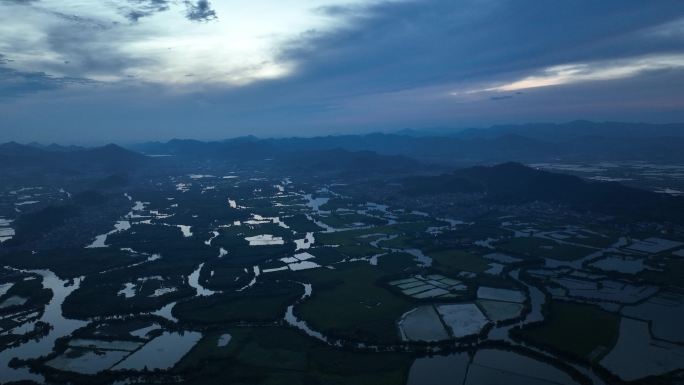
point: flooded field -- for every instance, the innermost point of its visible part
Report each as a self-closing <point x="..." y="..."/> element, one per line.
<point x="496" y="294"/>
<point x="6" y="230"/>
<point x="620" y="264"/>
<point x="499" y="310"/>
<point x="422" y="324"/>
<point x="664" y="312"/>
<point x="488" y="366"/>
<point x="162" y="352"/>
<point x="660" y="178"/>
<point x="86" y="361"/>
<point x="439" y="370"/>
<point x="432" y="286"/>
<point x="191" y="262"/>
<point x="636" y="345"/>
<point x="462" y="319"/>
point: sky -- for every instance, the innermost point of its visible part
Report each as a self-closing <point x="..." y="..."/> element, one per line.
<point x="86" y="71"/>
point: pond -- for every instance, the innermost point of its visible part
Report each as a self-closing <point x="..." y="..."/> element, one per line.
<point x="422" y="324"/>
<point x="635" y="345"/>
<point x="14" y="300"/>
<point x="214" y="234"/>
<point x="162" y="352"/>
<point x="264" y="240"/>
<point x="620" y="264"/>
<point x="193" y="281"/>
<point x="488" y="366"/>
<point x="422" y="259"/>
<point x="439" y="370"/>
<point x="6" y="232"/>
<point x="462" y="319"/>
<point x="224" y="340"/>
<point x="86" y="361"/>
<point x="497" y="294"/>
<point x="493" y="366"/>
<point x="665" y="312"/>
<point x="101" y="240"/>
<point x="315" y="203"/>
<point x="500" y="311"/>
<point x="143" y="332"/>
<point x="4" y="288"/>
<point x="166" y="312"/>
<point x="305" y="243"/>
<point x="187" y="233"/>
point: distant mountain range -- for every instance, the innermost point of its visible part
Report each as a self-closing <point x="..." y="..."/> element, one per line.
<point x="574" y="141"/>
<point x="62" y="159"/>
<point x="349" y="163"/>
<point x="396" y="156"/>
<point x="558" y="131"/>
<point x="112" y="159"/>
<point x="578" y="141"/>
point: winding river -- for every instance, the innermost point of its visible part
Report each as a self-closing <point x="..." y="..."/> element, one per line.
<point x="52" y="314"/>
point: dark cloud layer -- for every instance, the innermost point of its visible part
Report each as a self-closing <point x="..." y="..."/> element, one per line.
<point x="409" y="44"/>
<point x="19" y="1"/>
<point x="17" y="83"/>
<point x="143" y="8"/>
<point x="200" y="10"/>
<point x="391" y="65"/>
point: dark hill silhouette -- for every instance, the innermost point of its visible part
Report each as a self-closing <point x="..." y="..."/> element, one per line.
<point x="514" y="183"/>
<point x="574" y="141"/>
<point x="56" y="158"/>
<point x="348" y="163"/>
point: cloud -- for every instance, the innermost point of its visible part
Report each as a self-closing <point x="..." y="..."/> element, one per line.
<point x="80" y="21"/>
<point x="195" y="10"/>
<point x="594" y="71"/>
<point x="15" y="83"/>
<point x="138" y="9"/>
<point x="401" y="45"/>
<point x="330" y="66"/>
<point x="199" y="10"/>
<point x="141" y="39"/>
<point x="20" y="2"/>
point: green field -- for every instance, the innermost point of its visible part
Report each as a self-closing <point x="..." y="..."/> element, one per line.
<point x="266" y="301"/>
<point x="583" y="330"/>
<point x="350" y="301"/>
<point x="455" y="261"/>
<point x="670" y="276"/>
<point x="543" y="248"/>
<point x="279" y="355"/>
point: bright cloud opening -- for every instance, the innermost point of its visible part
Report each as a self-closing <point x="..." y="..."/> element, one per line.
<point x="109" y="42"/>
<point x="596" y="71"/>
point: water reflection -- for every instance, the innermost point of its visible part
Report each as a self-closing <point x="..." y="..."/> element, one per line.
<point x="52" y="314"/>
<point x="193" y="281"/>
